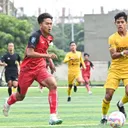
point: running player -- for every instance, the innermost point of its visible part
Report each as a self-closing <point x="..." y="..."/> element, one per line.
<point x="86" y="72"/>
<point x="11" y="61"/>
<point x="119" y="66"/>
<point x="74" y="58"/>
<point x="33" y="67"/>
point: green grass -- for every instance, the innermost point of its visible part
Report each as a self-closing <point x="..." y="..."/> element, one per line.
<point x="84" y="111"/>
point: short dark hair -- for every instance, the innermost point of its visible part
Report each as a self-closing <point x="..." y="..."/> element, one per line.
<point x="43" y="16"/>
<point x="86" y="54"/>
<point x="72" y="42"/>
<point x="121" y="14"/>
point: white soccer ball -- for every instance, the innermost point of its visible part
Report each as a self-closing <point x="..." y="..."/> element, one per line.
<point x="116" y="119"/>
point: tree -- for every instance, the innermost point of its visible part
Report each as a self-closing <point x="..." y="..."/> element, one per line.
<point x="60" y="54"/>
<point x="14" y="30"/>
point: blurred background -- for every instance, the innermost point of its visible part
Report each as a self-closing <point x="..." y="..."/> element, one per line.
<point x="89" y="24"/>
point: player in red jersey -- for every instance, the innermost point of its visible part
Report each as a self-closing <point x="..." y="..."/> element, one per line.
<point x="33" y="68"/>
<point x="86" y="72"/>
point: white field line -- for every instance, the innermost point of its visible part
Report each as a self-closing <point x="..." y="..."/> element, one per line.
<point x="68" y="125"/>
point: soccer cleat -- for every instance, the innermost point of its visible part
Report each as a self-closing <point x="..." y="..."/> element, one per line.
<point x="75" y="88"/>
<point x="103" y="121"/>
<point x="122" y="109"/>
<point x="90" y="93"/>
<point x="6" y="109"/>
<point x="54" y="120"/>
<point x="69" y="99"/>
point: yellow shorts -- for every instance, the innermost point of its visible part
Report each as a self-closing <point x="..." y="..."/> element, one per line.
<point x="113" y="80"/>
<point x="72" y="77"/>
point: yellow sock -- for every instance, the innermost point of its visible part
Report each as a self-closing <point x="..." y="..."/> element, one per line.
<point x="125" y="99"/>
<point x="13" y="89"/>
<point x="69" y="91"/>
<point x="105" y="106"/>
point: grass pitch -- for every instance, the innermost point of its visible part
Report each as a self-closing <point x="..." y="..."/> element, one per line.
<point x="84" y="111"/>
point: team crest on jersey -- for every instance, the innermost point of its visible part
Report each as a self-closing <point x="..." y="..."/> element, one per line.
<point x="33" y="39"/>
<point x="8" y="58"/>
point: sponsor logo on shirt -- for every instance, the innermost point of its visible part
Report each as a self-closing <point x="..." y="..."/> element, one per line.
<point x="33" y="39"/>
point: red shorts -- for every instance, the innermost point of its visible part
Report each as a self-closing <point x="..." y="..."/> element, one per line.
<point x="86" y="78"/>
<point x="27" y="76"/>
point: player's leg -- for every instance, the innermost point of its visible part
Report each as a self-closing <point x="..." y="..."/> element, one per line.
<point x="49" y="81"/>
<point x="9" y="87"/>
<point x="86" y="79"/>
<point x="40" y="88"/>
<point x="15" y="81"/>
<point x="111" y="85"/>
<point x="71" y="79"/>
<point x="75" y="86"/>
<point x="124" y="100"/>
<point x="8" y="81"/>
<point x="24" y="81"/>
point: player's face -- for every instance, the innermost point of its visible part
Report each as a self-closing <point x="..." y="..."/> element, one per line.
<point x="121" y="24"/>
<point x="86" y="57"/>
<point x="73" y="47"/>
<point x="11" y="47"/>
<point x="46" y="25"/>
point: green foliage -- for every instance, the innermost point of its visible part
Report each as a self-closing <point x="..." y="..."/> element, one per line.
<point x="60" y="54"/>
<point x="14" y="30"/>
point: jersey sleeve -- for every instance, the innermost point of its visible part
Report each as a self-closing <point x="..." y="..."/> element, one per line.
<point x="66" y="59"/>
<point x="33" y="40"/>
<point x="18" y="59"/>
<point x="2" y="58"/>
<point x="91" y="64"/>
<point x="111" y="43"/>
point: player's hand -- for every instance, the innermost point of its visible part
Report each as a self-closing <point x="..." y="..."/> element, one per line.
<point x="52" y="68"/>
<point x="4" y="64"/>
<point x="125" y="52"/>
<point x="84" y="68"/>
<point x="52" y="56"/>
<point x="71" y="58"/>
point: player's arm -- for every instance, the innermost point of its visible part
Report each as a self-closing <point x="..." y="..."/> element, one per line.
<point x="33" y="40"/>
<point x="92" y="65"/>
<point x="82" y="62"/>
<point x="2" y="61"/>
<point x="67" y="58"/>
<point x="113" y="52"/>
<point x="18" y="63"/>
<point x="51" y="65"/>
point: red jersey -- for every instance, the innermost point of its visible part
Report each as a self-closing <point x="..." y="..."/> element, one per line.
<point x="40" y="44"/>
<point x="88" y="64"/>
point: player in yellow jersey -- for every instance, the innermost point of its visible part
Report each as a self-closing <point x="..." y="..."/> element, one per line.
<point x="73" y="58"/>
<point x="119" y="66"/>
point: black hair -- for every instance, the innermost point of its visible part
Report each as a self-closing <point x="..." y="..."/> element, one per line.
<point x="43" y="16"/>
<point x="72" y="42"/>
<point x="121" y="14"/>
<point x="86" y="54"/>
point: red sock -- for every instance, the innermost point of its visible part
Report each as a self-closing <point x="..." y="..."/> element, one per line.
<point x="53" y="100"/>
<point x="88" y="87"/>
<point x="12" y="99"/>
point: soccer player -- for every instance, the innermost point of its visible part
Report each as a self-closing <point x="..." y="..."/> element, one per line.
<point x="48" y="65"/>
<point x="118" y="70"/>
<point x="86" y="72"/>
<point x="11" y="61"/>
<point x="73" y="58"/>
<point x="33" y="67"/>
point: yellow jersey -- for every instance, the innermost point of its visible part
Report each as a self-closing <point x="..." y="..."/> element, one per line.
<point x="120" y="44"/>
<point x="74" y="63"/>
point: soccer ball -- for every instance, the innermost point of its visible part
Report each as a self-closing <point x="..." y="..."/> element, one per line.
<point x="116" y="119"/>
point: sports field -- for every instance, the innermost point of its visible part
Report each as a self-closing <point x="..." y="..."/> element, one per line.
<point x="84" y="111"/>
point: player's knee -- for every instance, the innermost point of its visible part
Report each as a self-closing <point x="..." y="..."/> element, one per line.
<point x="19" y="97"/>
<point x="108" y="97"/>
